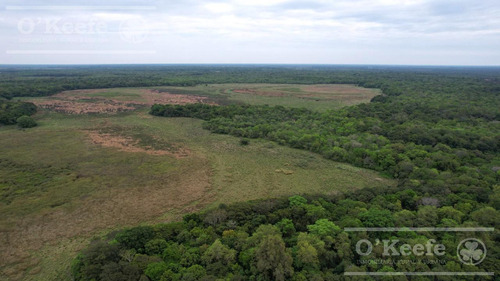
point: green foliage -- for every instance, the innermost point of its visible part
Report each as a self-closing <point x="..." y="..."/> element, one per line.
<point x="297" y="200"/>
<point x="90" y="264"/>
<point x="10" y="112"/>
<point x="323" y="227"/>
<point x="155" y="246"/>
<point x="155" y="270"/>
<point x="312" y="249"/>
<point x="272" y="260"/>
<point x="136" y="238"/>
<point x="375" y="217"/>
<point x="26" y="122"/>
<point x="286" y="227"/>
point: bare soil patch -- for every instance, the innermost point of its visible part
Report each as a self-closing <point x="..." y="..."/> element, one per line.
<point x="79" y="101"/>
<point x="154" y="96"/>
<point x="129" y="144"/>
<point x="73" y="107"/>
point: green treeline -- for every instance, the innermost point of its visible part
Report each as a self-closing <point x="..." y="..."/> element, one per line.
<point x="293" y="239"/>
<point x="20" y="81"/>
<point x="17" y="112"/>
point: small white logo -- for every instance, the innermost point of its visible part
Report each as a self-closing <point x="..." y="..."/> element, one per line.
<point x="471" y="251"/>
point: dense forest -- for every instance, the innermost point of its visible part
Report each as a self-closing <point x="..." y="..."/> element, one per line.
<point x="290" y="239"/>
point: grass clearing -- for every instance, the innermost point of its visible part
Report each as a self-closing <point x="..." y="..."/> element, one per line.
<point x="58" y="188"/>
<point x="314" y="97"/>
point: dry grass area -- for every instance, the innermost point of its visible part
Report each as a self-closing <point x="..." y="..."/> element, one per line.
<point x="129" y="144"/>
<point x="101" y="102"/>
<point x="257" y="92"/>
<point x="111" y="208"/>
<point x="341" y="92"/>
<point x="90" y="107"/>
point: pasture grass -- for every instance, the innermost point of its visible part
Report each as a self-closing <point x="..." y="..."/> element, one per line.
<point x="58" y="189"/>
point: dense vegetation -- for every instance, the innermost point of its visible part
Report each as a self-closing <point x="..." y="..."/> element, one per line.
<point x="11" y="112"/>
<point x="289" y="239"/>
<point x="19" y="81"/>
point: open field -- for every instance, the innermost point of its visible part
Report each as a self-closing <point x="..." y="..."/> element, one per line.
<point x="314" y="97"/>
<point x="76" y="176"/>
<point x="114" y="100"/>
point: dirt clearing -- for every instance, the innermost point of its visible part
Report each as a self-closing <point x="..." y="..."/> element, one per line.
<point x="129" y="144"/>
<point x="102" y="102"/>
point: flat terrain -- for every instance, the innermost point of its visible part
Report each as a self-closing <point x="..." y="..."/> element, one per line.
<point x="98" y="161"/>
<point x="315" y="97"/>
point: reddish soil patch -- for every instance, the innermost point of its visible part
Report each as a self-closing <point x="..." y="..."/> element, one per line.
<point x="72" y="107"/>
<point x="153" y="97"/>
<point x="77" y="102"/>
<point x="129" y="144"/>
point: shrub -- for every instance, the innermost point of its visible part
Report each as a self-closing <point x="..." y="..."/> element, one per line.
<point x="26" y="122"/>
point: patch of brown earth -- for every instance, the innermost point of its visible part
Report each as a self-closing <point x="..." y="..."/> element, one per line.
<point x="129" y="144"/>
<point x="76" y="102"/>
<point x="154" y="97"/>
<point x="73" y="107"/>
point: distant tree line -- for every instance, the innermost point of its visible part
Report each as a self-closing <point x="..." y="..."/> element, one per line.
<point x="17" y="81"/>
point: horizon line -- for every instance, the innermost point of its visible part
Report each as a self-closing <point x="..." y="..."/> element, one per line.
<point x="250" y="64"/>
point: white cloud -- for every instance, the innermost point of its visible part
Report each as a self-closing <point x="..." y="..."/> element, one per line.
<point x="219" y="7"/>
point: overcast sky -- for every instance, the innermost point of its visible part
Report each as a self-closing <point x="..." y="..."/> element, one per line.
<point x="432" y="32"/>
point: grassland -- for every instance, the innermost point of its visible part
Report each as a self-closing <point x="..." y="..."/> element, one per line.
<point x="314" y="97"/>
<point x="59" y="187"/>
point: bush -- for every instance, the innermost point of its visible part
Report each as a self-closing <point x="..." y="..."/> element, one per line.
<point x="26" y="122"/>
<point x="244" y="142"/>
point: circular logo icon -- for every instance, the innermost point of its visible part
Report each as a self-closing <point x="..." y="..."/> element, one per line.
<point x="471" y="251"/>
<point x="134" y="30"/>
